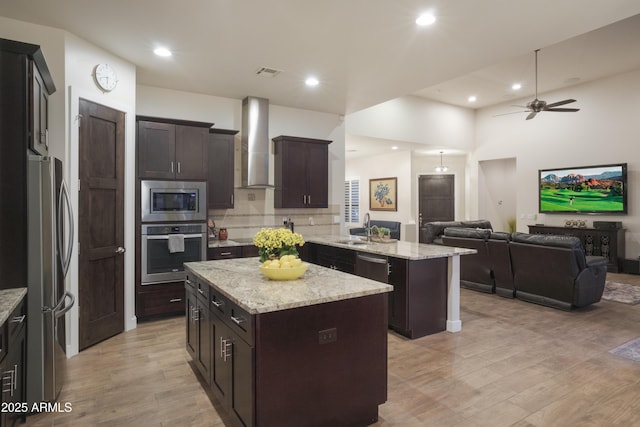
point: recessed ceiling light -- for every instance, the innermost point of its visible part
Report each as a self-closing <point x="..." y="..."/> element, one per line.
<point x="311" y="81"/>
<point x="395" y="147"/>
<point x="425" y="19"/>
<point x="473" y="98"/>
<point x="516" y="86"/>
<point x="162" y="51"/>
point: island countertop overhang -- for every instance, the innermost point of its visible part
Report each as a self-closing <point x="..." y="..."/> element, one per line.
<point x="240" y="280"/>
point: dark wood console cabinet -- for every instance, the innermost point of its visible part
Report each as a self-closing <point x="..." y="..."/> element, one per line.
<point x="596" y="241"/>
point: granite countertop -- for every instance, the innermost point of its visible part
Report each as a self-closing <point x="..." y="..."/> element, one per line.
<point x="215" y="243"/>
<point x="398" y="249"/>
<point x="9" y="300"/>
<point x="240" y="280"/>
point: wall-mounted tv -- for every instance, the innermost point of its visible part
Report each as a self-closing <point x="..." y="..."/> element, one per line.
<point x="585" y="189"/>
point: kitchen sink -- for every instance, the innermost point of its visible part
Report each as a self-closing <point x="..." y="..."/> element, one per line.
<point x="352" y="242"/>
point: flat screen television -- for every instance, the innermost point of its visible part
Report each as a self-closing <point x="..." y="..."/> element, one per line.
<point x="584" y="189"/>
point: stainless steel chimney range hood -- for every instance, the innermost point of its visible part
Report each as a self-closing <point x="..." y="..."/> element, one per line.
<point x="255" y="143"/>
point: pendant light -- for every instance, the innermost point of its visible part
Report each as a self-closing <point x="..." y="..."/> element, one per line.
<point x="441" y="168"/>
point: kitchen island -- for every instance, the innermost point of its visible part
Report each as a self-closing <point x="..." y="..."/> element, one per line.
<point x="426" y="278"/>
<point x="311" y="351"/>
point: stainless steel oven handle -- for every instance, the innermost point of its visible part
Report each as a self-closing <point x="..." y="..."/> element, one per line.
<point x="166" y="236"/>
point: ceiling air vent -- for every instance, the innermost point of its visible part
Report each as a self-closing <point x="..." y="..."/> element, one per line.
<point x="267" y="71"/>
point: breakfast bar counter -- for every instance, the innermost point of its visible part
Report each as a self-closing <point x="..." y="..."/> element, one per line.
<point x="305" y="352"/>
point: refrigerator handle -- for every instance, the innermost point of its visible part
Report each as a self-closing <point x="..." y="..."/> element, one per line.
<point x="60" y="313"/>
<point x="65" y="256"/>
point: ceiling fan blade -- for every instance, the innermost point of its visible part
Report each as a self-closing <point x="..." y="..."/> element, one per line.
<point x="513" y="112"/>
<point x="559" y="103"/>
<point x="563" y="110"/>
<point x="531" y="115"/>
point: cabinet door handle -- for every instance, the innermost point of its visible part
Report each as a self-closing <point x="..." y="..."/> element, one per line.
<point x="175" y="300"/>
<point x="217" y="304"/>
<point x="225" y="253"/>
<point x="238" y="320"/>
<point x="171" y="167"/>
<point x="178" y="167"/>
<point x="304" y="199"/>
<point x="232" y="199"/>
<point x="18" y="319"/>
<point x="226" y="349"/>
<point x="309" y="199"/>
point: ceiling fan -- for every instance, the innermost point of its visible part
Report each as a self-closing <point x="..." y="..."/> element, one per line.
<point x="536" y="106"/>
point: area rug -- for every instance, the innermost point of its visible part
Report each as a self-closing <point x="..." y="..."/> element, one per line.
<point x="621" y="292"/>
<point x="629" y="350"/>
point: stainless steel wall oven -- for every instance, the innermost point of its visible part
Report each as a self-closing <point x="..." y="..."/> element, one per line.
<point x="165" y="247"/>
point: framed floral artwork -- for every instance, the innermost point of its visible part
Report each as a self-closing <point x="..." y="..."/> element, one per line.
<point x="383" y="194"/>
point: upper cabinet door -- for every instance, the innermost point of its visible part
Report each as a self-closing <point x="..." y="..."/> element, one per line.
<point x="156" y="150"/>
<point x="220" y="180"/>
<point x="301" y="172"/>
<point x="190" y="159"/>
<point x="39" y="141"/>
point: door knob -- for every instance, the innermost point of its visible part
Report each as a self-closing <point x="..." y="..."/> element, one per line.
<point x="120" y="250"/>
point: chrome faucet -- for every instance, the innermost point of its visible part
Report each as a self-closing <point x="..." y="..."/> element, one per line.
<point x="367" y="226"/>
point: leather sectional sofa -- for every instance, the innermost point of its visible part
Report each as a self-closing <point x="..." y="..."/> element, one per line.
<point x="543" y="269"/>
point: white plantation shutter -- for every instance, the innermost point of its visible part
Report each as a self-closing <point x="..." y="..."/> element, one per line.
<point x="352" y="200"/>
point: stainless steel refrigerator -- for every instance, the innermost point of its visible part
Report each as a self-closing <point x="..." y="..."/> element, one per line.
<point x="50" y="245"/>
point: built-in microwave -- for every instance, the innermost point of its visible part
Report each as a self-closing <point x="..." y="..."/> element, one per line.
<point x="165" y="201"/>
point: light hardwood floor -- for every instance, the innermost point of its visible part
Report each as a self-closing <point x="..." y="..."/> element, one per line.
<point x="513" y="364"/>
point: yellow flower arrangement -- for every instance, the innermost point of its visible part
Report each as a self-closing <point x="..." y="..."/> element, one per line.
<point x="276" y="242"/>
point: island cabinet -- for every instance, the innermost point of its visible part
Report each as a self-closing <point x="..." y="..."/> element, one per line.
<point x="418" y="302"/>
<point x="301" y="171"/>
<point x="13" y="352"/>
<point x="298" y="360"/>
<point x="330" y="257"/>
<point x="198" y="325"/>
<point x="172" y="149"/>
<point x="220" y="168"/>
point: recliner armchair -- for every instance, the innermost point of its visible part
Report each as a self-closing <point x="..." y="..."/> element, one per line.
<point x="554" y="271"/>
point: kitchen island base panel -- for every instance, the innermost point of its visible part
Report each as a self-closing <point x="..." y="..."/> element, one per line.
<point x="303" y="381"/>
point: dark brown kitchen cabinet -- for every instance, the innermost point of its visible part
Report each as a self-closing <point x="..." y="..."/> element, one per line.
<point x="224" y="252"/>
<point x="331" y="257"/>
<point x="160" y="299"/>
<point x="301" y="172"/>
<point x="25" y="84"/>
<point x="198" y="325"/>
<point x="220" y="164"/>
<point x="172" y="149"/>
<point x="12" y="367"/>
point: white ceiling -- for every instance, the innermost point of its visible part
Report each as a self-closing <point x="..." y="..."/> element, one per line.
<point x="363" y="51"/>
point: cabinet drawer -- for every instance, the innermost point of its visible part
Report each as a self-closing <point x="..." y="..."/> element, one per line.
<point x="161" y="300"/>
<point x="218" y="303"/>
<point x="241" y="322"/>
<point x="224" y="253"/>
<point x="249" y="251"/>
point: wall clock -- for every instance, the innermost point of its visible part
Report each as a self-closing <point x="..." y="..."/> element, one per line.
<point x="105" y="77"/>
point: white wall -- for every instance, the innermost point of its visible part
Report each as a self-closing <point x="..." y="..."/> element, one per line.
<point x="498" y="203"/>
<point x="605" y="130"/>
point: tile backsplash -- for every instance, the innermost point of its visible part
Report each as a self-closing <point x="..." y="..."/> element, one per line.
<point x="253" y="210"/>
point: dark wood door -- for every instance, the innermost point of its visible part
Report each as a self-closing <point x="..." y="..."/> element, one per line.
<point x="436" y="195"/>
<point x="191" y="143"/>
<point x="156" y="150"/>
<point x="101" y="223"/>
<point x="220" y="155"/>
<point x="221" y="373"/>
